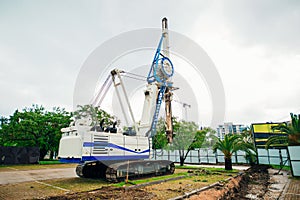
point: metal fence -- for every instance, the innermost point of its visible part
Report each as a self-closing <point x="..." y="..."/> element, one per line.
<point x="206" y="156"/>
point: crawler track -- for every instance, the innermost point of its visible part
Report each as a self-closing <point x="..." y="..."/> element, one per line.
<point x="116" y="171"/>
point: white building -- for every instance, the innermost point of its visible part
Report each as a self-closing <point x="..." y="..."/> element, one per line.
<point x="228" y="128"/>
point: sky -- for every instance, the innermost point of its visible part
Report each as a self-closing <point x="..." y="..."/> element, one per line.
<point x="254" y="45"/>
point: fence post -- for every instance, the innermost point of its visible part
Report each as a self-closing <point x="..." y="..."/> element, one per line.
<point x="280" y="157"/>
<point x="207" y="155"/>
<point x="257" y="157"/>
<point x="268" y="156"/>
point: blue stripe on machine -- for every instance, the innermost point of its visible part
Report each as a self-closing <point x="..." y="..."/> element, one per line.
<point x="136" y="157"/>
<point x="88" y="144"/>
<point x="92" y="144"/>
<point x="70" y="160"/>
<point x="125" y="149"/>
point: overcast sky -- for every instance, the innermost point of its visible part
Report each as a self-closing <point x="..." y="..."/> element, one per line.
<point x="255" y="46"/>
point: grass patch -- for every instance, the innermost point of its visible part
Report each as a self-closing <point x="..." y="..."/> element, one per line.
<point x="287" y="168"/>
<point x="210" y="169"/>
<point x="184" y="172"/>
<point x="222" y="170"/>
<point x="295" y="178"/>
<point x="50" y="162"/>
<point x="187" y="167"/>
<point x="147" y="180"/>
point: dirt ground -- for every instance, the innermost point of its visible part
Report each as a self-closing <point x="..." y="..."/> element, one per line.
<point x="164" y="190"/>
<point x="79" y="188"/>
<point x="108" y="193"/>
<point x="253" y="184"/>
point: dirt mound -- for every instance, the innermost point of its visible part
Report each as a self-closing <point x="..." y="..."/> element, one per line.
<point x="253" y="184"/>
<point x="107" y="193"/>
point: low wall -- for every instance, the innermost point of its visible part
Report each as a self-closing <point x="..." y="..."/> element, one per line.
<point x="19" y="155"/>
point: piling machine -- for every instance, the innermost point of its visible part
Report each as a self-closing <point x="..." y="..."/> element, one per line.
<point x="113" y="154"/>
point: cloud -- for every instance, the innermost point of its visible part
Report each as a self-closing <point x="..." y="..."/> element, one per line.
<point x="274" y="24"/>
<point x="254" y="45"/>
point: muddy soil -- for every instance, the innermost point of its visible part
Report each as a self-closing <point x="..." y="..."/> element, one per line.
<point x="253" y="184"/>
<point x="108" y="193"/>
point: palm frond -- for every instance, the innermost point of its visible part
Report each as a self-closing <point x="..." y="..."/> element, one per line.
<point x="295" y="122"/>
<point x="233" y="143"/>
<point x="277" y="140"/>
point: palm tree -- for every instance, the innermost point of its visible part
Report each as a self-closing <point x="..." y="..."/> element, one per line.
<point x="290" y="129"/>
<point x="232" y="144"/>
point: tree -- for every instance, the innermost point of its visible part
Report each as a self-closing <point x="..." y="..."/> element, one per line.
<point x="184" y="138"/>
<point x="210" y="137"/>
<point x="160" y="140"/>
<point x="35" y="127"/>
<point x="290" y="131"/>
<point x="187" y="138"/>
<point x="94" y="113"/>
<point x="232" y="144"/>
<point x="86" y="111"/>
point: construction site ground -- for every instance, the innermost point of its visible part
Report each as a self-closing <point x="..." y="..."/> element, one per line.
<point x="60" y="182"/>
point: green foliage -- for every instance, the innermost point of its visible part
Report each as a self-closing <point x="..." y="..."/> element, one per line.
<point x="50" y="162"/>
<point x="232" y="144"/>
<point x="160" y="140"/>
<point x="186" y="135"/>
<point x="147" y="180"/>
<point x="187" y="138"/>
<point x="292" y="130"/>
<point x="277" y="141"/>
<point x="86" y="111"/>
<point x="287" y="168"/>
<point x="94" y="113"/>
<point x="210" y="137"/>
<point x="34" y="127"/>
<point x="199" y="139"/>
